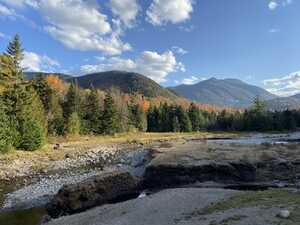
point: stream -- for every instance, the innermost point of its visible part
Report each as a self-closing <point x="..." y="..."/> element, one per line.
<point x="23" y="204"/>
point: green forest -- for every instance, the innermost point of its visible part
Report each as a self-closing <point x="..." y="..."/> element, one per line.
<point x="32" y="110"/>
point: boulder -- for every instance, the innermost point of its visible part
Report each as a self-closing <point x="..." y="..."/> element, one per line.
<point x="95" y="191"/>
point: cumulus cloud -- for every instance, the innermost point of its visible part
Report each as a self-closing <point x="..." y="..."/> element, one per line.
<point x="78" y="24"/>
<point x="21" y="3"/>
<point x="274" y="4"/>
<point x="190" y="80"/>
<point x="7" y="12"/>
<point x="179" y="50"/>
<point x="284" y="86"/>
<point x="37" y="63"/>
<point x="152" y="64"/>
<point x="126" y="10"/>
<point x="161" y="12"/>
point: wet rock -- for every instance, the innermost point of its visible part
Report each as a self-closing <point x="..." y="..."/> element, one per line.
<point x="166" y="175"/>
<point x="95" y="191"/>
<point x="284" y="214"/>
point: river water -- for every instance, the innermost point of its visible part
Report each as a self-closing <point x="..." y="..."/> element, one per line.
<point x="31" y="210"/>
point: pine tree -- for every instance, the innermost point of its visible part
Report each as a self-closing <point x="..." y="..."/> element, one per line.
<point x="175" y="124"/>
<point x="73" y="124"/>
<point x="109" y="117"/>
<point x="72" y="101"/>
<point x="138" y="117"/>
<point x="15" y="52"/>
<point x="6" y="141"/>
<point x="196" y="117"/>
<point x="44" y="91"/>
<point x="27" y="118"/>
<point x="184" y="120"/>
<point x="93" y="112"/>
<point x="153" y="120"/>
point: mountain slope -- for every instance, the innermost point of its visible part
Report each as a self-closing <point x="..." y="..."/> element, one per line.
<point x="125" y="81"/>
<point x="31" y="75"/>
<point x="224" y="93"/>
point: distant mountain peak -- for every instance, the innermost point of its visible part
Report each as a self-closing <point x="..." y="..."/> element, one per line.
<point x="223" y="92"/>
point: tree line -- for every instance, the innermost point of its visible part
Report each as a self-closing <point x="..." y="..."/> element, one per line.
<point x="31" y="110"/>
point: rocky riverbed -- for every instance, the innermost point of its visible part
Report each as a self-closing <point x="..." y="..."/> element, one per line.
<point x="193" y="164"/>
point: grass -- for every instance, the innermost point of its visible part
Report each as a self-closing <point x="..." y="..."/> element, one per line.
<point x="270" y="198"/>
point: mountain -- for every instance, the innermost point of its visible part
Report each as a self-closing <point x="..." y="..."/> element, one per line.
<point x="283" y="103"/>
<point x="62" y="76"/>
<point x="223" y="92"/>
<point x="126" y="81"/>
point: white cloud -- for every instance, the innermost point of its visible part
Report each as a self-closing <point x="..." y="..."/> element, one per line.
<point x="161" y="12"/>
<point x="126" y="10"/>
<point x="152" y="64"/>
<point x="190" y="80"/>
<point x="274" y="30"/>
<point x="80" y="25"/>
<point x="284" y="86"/>
<point x="21" y="3"/>
<point x="36" y="63"/>
<point x="273" y="5"/>
<point x="179" y="50"/>
<point x="7" y="12"/>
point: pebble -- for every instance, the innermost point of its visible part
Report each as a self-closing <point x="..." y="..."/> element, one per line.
<point x="284" y="214"/>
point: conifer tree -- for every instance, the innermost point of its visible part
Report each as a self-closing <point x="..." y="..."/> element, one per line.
<point x="196" y="117"/>
<point x="184" y="120"/>
<point x="27" y="117"/>
<point x="109" y="116"/>
<point x="73" y="124"/>
<point x="175" y="124"/>
<point x="72" y="101"/>
<point x="93" y="112"/>
<point x="15" y="53"/>
<point x="6" y="141"/>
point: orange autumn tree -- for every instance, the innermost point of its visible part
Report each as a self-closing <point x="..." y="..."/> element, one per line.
<point x="56" y="84"/>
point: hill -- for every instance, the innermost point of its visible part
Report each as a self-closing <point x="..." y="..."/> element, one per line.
<point x="127" y="82"/>
<point x="223" y="92"/>
<point x="62" y="76"/>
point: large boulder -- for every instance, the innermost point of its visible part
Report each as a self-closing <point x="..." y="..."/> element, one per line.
<point x="172" y="174"/>
<point x="95" y="191"/>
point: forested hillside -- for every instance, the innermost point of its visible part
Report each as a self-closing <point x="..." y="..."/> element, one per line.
<point x="31" y="110"/>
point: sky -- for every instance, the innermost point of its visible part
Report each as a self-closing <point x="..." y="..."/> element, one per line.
<point x="171" y="41"/>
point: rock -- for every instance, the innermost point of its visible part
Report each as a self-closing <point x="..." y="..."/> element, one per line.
<point x="171" y="174"/>
<point x="95" y="191"/>
<point x="284" y="214"/>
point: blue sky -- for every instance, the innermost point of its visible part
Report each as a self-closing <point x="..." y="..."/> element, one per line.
<point x="170" y="41"/>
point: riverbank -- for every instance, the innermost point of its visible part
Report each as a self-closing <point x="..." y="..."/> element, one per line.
<point x="203" y="160"/>
<point x="74" y="152"/>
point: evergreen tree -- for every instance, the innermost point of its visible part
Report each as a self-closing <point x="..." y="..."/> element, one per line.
<point x="27" y="118"/>
<point x="6" y="141"/>
<point x="72" y="101"/>
<point x="15" y="53"/>
<point x="93" y="112"/>
<point x="196" y="117"/>
<point x="175" y="124"/>
<point x="109" y="116"/>
<point x="44" y="91"/>
<point x="184" y="120"/>
<point x="153" y="118"/>
<point x="138" y="117"/>
<point x="73" y="124"/>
